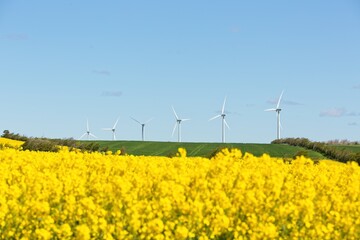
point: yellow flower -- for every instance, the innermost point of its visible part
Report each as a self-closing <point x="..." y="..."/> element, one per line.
<point x="82" y="232"/>
<point x="181" y="232"/>
<point x="65" y="231"/>
<point x="156" y="225"/>
<point x="181" y="152"/>
<point x="42" y="234"/>
<point x="6" y="142"/>
<point x="82" y="195"/>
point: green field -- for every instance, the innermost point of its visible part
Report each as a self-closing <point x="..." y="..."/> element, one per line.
<point x="350" y="148"/>
<point x="203" y="149"/>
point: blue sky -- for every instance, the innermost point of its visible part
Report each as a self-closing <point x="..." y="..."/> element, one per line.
<point x="62" y="62"/>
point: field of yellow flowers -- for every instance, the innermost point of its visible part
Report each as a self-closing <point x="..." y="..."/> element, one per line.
<point x="76" y="195"/>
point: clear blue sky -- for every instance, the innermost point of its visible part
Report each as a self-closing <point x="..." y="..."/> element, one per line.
<point x="62" y="62"/>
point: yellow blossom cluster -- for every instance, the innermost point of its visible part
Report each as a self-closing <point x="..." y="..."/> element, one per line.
<point x="76" y="195"/>
<point x="6" y="142"/>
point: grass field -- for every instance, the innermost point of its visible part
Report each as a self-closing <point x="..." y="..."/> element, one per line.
<point x="350" y="148"/>
<point x="203" y="149"/>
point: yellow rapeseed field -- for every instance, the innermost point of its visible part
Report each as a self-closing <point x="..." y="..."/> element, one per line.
<point x="75" y="195"/>
<point x="5" y="142"/>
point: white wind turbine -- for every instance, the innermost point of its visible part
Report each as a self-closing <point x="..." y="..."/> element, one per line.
<point x="178" y="125"/>
<point x="88" y="133"/>
<point x="112" y="129"/>
<point x="142" y="127"/>
<point x="223" y="122"/>
<point x="277" y="110"/>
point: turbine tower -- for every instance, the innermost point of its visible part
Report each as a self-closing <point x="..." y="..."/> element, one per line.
<point x="178" y="125"/>
<point x="112" y="129"/>
<point x="277" y="110"/>
<point x="223" y="122"/>
<point x="142" y="127"/>
<point x="88" y="133"/>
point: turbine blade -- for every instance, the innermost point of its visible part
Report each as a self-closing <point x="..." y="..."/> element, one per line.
<point x="186" y="119"/>
<point x="117" y="120"/>
<point x="278" y="104"/>
<point x="281" y="127"/>
<point x="174" y="129"/>
<point x="270" y="109"/>
<point x="92" y="135"/>
<point x="87" y="125"/>
<point x="217" y="116"/>
<point x="177" y="117"/>
<point x="82" y="136"/>
<point x="149" y="120"/>
<point x="107" y="129"/>
<point x="223" y="107"/>
<point x="135" y="120"/>
<point x="226" y="124"/>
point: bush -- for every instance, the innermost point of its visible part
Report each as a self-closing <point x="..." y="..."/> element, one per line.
<point x="217" y="150"/>
<point x="356" y="157"/>
<point x="327" y="150"/>
<point x="10" y="135"/>
<point x="122" y="151"/>
<point x="301" y="153"/>
<point x="51" y="145"/>
<point x="37" y="144"/>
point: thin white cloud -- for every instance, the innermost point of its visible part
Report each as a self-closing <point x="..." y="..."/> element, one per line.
<point x="334" y="112"/>
<point x="102" y="72"/>
<point x="292" y="103"/>
<point x="285" y="102"/>
<point x="234" y="29"/>
<point x="353" y="114"/>
<point x="250" y="105"/>
<point x="111" y="94"/>
<point x="339" y="112"/>
<point x="272" y="101"/>
<point x="15" y="37"/>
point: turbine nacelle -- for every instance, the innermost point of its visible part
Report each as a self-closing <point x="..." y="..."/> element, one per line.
<point x="177" y="124"/>
<point x="277" y="110"/>
<point x="142" y="127"/>
<point x="112" y="129"/>
<point x="87" y="132"/>
<point x="224" y="123"/>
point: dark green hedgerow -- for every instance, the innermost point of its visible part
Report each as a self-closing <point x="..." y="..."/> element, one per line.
<point x="51" y="145"/>
<point x="327" y="150"/>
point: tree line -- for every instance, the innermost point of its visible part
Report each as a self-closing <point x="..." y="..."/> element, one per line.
<point x="52" y="145"/>
<point x="327" y="149"/>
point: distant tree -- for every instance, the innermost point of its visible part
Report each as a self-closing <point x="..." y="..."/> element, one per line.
<point x="10" y="135"/>
<point x="37" y="144"/>
<point x="5" y="133"/>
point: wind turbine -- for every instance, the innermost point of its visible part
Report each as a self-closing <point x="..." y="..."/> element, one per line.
<point x="224" y="123"/>
<point x="112" y="129"/>
<point x="142" y="127"/>
<point x="277" y="110"/>
<point x="88" y="133"/>
<point x="178" y="125"/>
